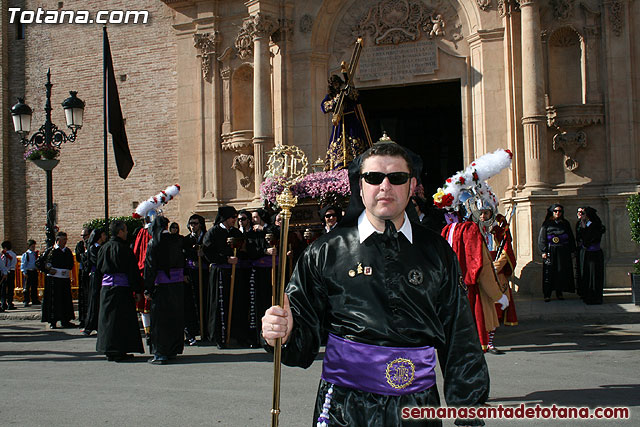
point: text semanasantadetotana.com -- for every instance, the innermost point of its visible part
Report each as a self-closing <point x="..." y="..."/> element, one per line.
<point x="517" y="412"/>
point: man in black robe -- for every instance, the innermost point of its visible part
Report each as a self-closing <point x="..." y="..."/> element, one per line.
<point x="57" y="304"/>
<point x="163" y="286"/>
<point x="220" y="255"/>
<point x="97" y="238"/>
<point x="83" y="275"/>
<point x="194" y="262"/>
<point x="389" y="294"/>
<point x="118" y="330"/>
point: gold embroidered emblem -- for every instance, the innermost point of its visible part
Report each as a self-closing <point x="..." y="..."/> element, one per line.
<point x="368" y="271"/>
<point x="400" y="373"/>
<point x="352" y="273"/>
<point x="359" y="268"/>
<point x="556" y="239"/>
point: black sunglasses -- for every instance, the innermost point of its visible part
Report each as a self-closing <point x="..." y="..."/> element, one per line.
<point x="558" y="210"/>
<point x="330" y="215"/>
<point x="243" y="218"/>
<point x="395" y="178"/>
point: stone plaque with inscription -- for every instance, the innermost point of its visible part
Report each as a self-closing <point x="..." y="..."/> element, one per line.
<point x="398" y="62"/>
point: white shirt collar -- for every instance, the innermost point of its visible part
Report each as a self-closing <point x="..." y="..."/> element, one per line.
<point x="366" y="229"/>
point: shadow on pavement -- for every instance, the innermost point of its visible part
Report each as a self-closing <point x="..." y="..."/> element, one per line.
<point x="543" y="336"/>
<point x="604" y="395"/>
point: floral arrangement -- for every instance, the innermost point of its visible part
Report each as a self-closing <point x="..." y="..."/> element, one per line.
<point x="322" y="186"/>
<point x="48" y="153"/>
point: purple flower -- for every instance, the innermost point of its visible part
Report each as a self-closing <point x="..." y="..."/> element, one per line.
<point x="318" y="185"/>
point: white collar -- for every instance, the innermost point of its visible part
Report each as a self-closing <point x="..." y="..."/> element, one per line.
<point x="56" y="246"/>
<point x="366" y="229"/>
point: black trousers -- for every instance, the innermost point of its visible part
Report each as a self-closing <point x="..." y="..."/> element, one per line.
<point x="8" y="287"/>
<point x="30" y="286"/>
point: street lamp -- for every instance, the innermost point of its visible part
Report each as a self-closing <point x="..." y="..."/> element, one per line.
<point x="48" y="140"/>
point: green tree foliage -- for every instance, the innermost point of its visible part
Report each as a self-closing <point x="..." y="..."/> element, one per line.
<point x="132" y="224"/>
<point x="633" y="207"/>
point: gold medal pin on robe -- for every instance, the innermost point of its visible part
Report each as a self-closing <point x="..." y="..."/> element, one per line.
<point x="367" y="271"/>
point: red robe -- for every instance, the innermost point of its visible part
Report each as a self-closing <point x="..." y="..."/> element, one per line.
<point x="140" y="251"/>
<point x="505" y="265"/>
<point x="483" y="288"/>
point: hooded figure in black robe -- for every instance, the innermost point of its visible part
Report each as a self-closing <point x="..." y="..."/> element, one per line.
<point x="557" y="244"/>
<point x="192" y="246"/>
<point x="384" y="292"/>
<point x="590" y="260"/>
<point x="220" y="255"/>
<point x="118" y="330"/>
<point x="95" y="281"/>
<point x="57" y="304"/>
<point x="163" y="283"/>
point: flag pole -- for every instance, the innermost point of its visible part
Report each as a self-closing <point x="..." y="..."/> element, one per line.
<point x="105" y="41"/>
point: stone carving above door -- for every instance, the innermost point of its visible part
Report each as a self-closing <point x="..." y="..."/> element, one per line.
<point x="399" y="21"/>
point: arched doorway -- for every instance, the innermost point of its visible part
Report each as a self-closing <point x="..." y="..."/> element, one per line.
<point x="425" y="118"/>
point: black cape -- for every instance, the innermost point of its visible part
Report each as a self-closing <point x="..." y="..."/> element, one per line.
<point x="557" y="272"/>
<point x="118" y="330"/>
<point x="167" y="307"/>
<point x="57" y="304"/>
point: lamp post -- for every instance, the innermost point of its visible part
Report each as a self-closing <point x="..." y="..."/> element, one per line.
<point x="47" y="140"/>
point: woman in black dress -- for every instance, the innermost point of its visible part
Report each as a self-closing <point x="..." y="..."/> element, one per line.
<point x="589" y="231"/>
<point x="557" y="244"/>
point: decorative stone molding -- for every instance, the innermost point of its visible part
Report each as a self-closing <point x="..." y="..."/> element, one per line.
<point x="507" y="7"/>
<point x="306" y="24"/>
<point x="244" y="39"/>
<point x="241" y="143"/>
<point x="567" y="117"/>
<point x="206" y="43"/>
<point x="616" y="15"/>
<point x="562" y="9"/>
<point x="263" y="25"/>
<point x="570" y="120"/>
<point x="284" y="31"/>
<point x="244" y="164"/>
<point x="225" y="73"/>
<point x="398" y="21"/>
<point x="564" y="37"/>
<point x="254" y="27"/>
<point x="569" y="143"/>
<point x="484" y="4"/>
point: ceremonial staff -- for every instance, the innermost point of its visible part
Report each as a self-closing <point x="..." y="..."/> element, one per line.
<point x="288" y="165"/>
<point x="233" y="242"/>
<point x="504" y="235"/>
<point x="199" y="252"/>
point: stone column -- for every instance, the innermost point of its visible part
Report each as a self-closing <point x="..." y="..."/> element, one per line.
<point x="263" y="26"/>
<point x="533" y="117"/>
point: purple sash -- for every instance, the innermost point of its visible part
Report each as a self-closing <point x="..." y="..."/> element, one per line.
<point x="558" y="239"/>
<point x="213" y="265"/>
<point x="116" y="279"/>
<point x="175" y="275"/>
<point x="264" y="262"/>
<point x="592" y="248"/>
<point x="391" y="371"/>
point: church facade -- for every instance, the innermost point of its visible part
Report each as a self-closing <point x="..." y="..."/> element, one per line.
<point x="208" y="87"/>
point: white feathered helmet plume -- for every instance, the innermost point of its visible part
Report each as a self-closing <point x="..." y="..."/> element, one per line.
<point x="157" y="201"/>
<point x="471" y="182"/>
